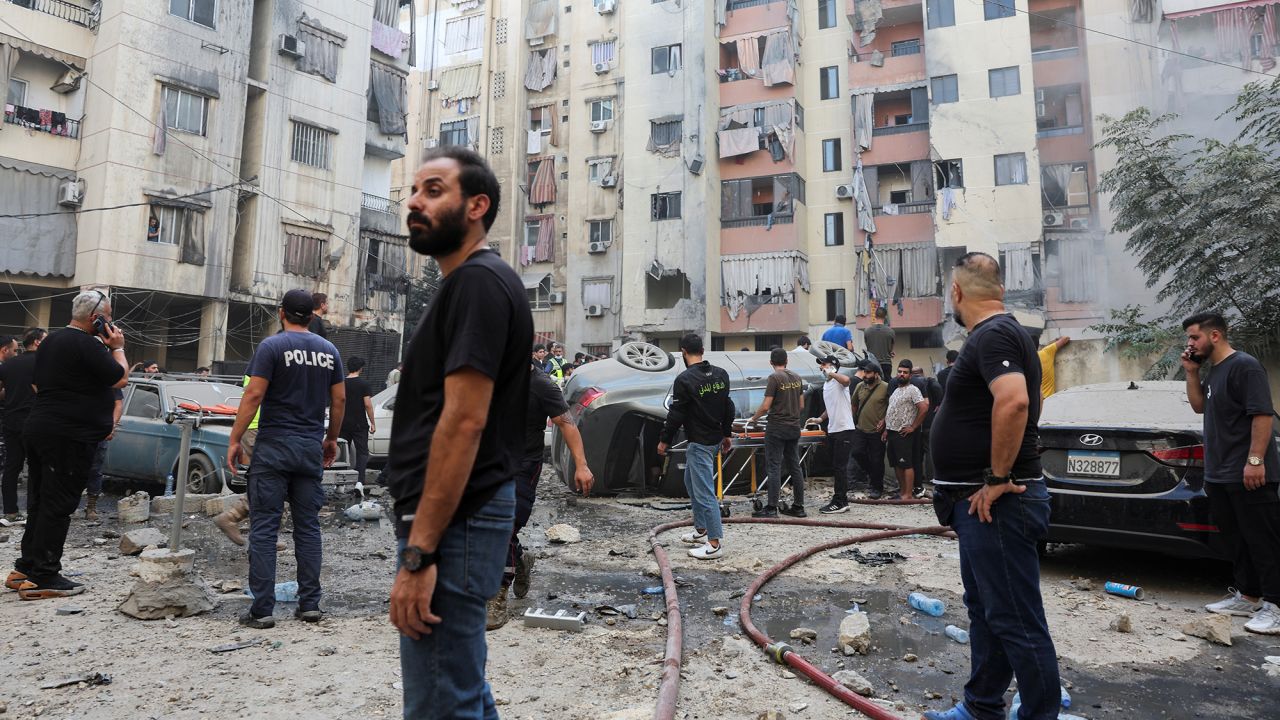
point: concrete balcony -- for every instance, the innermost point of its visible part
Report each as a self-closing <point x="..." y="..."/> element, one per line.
<point x="912" y="224"/>
<point x="745" y="16"/>
<point x="917" y="314"/>
<point x="898" y="144"/>
<point x="756" y="164"/>
<point x="902" y="68"/>
<point x="73" y="13"/>
<point x="40" y="146"/>
<point x="890" y="8"/>
<point x="381" y="214"/>
<point x="53" y="24"/>
<point x="390" y="147"/>
<point x="779" y="317"/>
<point x="757" y="235"/>
<point x="752" y="90"/>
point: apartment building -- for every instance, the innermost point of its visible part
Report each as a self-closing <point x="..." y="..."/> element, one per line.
<point x="197" y="160"/>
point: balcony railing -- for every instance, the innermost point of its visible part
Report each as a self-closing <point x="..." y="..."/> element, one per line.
<point x="756" y="221"/>
<point x="739" y="4"/>
<point x="70" y="12"/>
<point x="906" y="48"/>
<point x="380" y="204"/>
<point x="1054" y="54"/>
<point x="912" y="208"/>
<point x="1059" y="132"/>
<point x="899" y="129"/>
<point x="31" y="119"/>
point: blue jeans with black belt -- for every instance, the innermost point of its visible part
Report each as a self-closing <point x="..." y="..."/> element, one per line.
<point x="285" y="468"/>
<point x="1008" y="633"/>
<point x="443" y="672"/>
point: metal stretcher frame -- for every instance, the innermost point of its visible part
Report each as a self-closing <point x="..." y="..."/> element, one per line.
<point x="753" y="441"/>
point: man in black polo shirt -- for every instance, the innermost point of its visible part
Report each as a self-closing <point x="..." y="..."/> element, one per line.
<point x="466" y="375"/>
<point x="989" y="489"/>
<point x="16" y="375"/>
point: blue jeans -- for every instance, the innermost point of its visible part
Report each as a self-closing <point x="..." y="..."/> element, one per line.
<point x="1008" y="634"/>
<point x="95" y="470"/>
<point x="443" y="673"/>
<point x="285" y="468"/>
<point x="700" y="483"/>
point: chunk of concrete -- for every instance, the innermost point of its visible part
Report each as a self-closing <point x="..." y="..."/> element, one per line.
<point x="854" y="682"/>
<point x="135" y="541"/>
<point x="167" y="587"/>
<point x="1214" y="628"/>
<point x="563" y="533"/>
<point x="215" y="506"/>
<point x="804" y="634"/>
<point x="855" y="634"/>
<point x="191" y="503"/>
<point x="135" y="508"/>
<point x="1123" y="623"/>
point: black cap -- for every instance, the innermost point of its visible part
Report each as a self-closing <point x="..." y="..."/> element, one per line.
<point x="297" y="305"/>
<point x="830" y="360"/>
<point x="869" y="366"/>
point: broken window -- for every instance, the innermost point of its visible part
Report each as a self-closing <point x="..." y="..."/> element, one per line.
<point x="759" y="197"/>
<point x="178" y="225"/>
<point x="664" y="206"/>
<point x="538" y="244"/>
<point x="765" y="343"/>
<point x="829" y="82"/>
<point x="835" y="303"/>
<point x="833" y="229"/>
<point x="1059" y="110"/>
<point x="996" y="9"/>
<point x="539" y="292"/>
<point x="1004" y="81"/>
<point x="1072" y="261"/>
<point x="1011" y="169"/>
<point x="1020" y="266"/>
<point x="942" y="13"/>
<point x="303" y="254"/>
<point x="598" y="169"/>
<point x="831" y="155"/>
<point x="664" y="133"/>
<point x="541" y="71"/>
<point x="665" y="59"/>
<point x="1064" y="185"/>
<point x="666" y="290"/>
<point x="755" y="279"/>
<point x="945" y="89"/>
<point x="948" y="174"/>
<point x="388" y="98"/>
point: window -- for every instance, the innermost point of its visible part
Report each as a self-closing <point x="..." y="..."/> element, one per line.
<point x="183" y="110"/>
<point x="174" y="225"/>
<point x="597" y="351"/>
<point x="598" y="169"/>
<point x="664" y="206"/>
<point x="664" y="133"/>
<point x="454" y="133"/>
<point x="942" y="13"/>
<point x="945" y="89"/>
<point x="603" y="51"/>
<point x="531" y="231"/>
<point x="144" y="402"/>
<point x="899" y="197"/>
<point x="765" y="343"/>
<point x="829" y="82"/>
<point x="760" y="197"/>
<point x="17" y="94"/>
<point x="303" y="254"/>
<point x="948" y="173"/>
<point x="835" y="303"/>
<point x="996" y="9"/>
<point x="665" y="59"/>
<point x="1064" y="185"/>
<point x="1004" y="81"/>
<point x="542" y="119"/>
<point x="600" y="231"/>
<point x="598" y="292"/>
<point x="905" y="47"/>
<point x="902" y="119"/>
<point x="540" y="295"/>
<point x="197" y="11"/>
<point x="1011" y="169"/>
<point x="601" y="110"/>
<point x="717" y="343"/>
<point x="463" y="34"/>
<point x="831" y="155"/>
<point x="311" y="145"/>
<point x="827" y="14"/>
<point x="833" y="229"/>
<point x="924" y="339"/>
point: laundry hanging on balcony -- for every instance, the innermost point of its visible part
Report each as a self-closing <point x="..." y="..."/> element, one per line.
<point x="866" y="218"/>
<point x="542" y="70"/>
<point x="776" y="120"/>
<point x="778" y="64"/>
<point x="749" y="279"/>
<point x="544" y="249"/>
<point x="738" y="141"/>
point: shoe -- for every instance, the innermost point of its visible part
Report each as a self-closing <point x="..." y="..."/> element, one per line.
<point x="496" y="611"/>
<point x="308" y="616"/>
<point x="1235" y="605"/>
<point x="229" y="524"/>
<point x="15" y="580"/>
<point x="918" y="493"/>
<point x="1266" y="621"/>
<point x="54" y="587"/>
<point x="524" y="568"/>
<point x="833" y="507"/>
<point x="91" y="508"/>
<point x="708" y="551"/>
<point x="875" y="495"/>
<point x="768" y="511"/>
<point x="794" y="511"/>
<point x="959" y="712"/>
<point x="15" y="518"/>
<point x="693" y="537"/>
<point x="257" y="623"/>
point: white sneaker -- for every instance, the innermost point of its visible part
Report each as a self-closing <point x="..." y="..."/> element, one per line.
<point x="1266" y="621"/>
<point x="708" y="551"/>
<point x="1235" y="604"/>
<point x="693" y="537"/>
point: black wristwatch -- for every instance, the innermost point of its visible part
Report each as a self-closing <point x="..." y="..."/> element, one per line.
<point x="990" y="478"/>
<point x="414" y="558"/>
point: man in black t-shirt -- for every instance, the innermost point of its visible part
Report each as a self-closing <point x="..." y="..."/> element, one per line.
<point x="989" y="489"/>
<point x="456" y="440"/>
<point x="1241" y="468"/>
<point x="317" y="325"/>
<point x="76" y="370"/>
<point x="357" y="420"/>
<point x="16" y="375"/>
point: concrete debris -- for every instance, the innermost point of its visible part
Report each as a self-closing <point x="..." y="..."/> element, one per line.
<point x="910" y="657"/>
<point x="177" y="597"/>
<point x="367" y="510"/>
<point x="135" y="508"/>
<point x="797" y="707"/>
<point x="855" y="634"/>
<point x="771" y="715"/>
<point x="326" y="651"/>
<point x="562" y="533"/>
<point x="191" y="503"/>
<point x="229" y="647"/>
<point x="787" y="675"/>
<point x="1214" y="628"/>
<point x="1122" y="623"/>
<point x="4" y="538"/>
<point x="228" y="586"/>
<point x="720" y="611"/>
<point x="70" y="610"/>
<point x="731" y="675"/>
<point x="804" y="634"/>
<point x="854" y="682"/>
<point x="215" y="506"/>
<point x="135" y="541"/>
<point x="560" y="620"/>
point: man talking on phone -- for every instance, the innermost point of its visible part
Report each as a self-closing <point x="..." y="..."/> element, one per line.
<point x="76" y="370"/>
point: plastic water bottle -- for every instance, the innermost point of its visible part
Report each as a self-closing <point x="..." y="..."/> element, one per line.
<point x="960" y="635"/>
<point x="926" y="604"/>
<point x="168" y="485"/>
<point x="1065" y="699"/>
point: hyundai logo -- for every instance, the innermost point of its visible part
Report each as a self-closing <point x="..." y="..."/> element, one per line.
<point x="1091" y="440"/>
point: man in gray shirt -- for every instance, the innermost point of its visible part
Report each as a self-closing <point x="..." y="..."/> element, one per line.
<point x="879" y="340"/>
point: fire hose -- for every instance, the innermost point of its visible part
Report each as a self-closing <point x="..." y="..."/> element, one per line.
<point x="669" y="684"/>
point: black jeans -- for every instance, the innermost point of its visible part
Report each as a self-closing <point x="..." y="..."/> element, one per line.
<point x="15" y="457"/>
<point x="58" y="473"/>
<point x="285" y="468"/>
<point x="358" y="440"/>
<point x="782" y="448"/>
<point x="842" y="464"/>
<point x="1249" y="523"/>
<point x="526" y="492"/>
<point x="868" y="453"/>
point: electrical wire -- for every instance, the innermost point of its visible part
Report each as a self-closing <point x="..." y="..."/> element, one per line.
<point x="26" y="216"/>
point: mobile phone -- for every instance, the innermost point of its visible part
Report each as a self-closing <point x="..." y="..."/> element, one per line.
<point x="100" y="326"/>
<point x="1190" y="355"/>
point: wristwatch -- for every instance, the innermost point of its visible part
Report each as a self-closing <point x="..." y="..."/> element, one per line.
<point x="990" y="478"/>
<point x="414" y="558"/>
<point x="1255" y="460"/>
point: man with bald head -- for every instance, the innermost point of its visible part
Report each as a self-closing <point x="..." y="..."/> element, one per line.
<point x="990" y="490"/>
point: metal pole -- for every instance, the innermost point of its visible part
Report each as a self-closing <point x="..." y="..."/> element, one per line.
<point x="184" y="452"/>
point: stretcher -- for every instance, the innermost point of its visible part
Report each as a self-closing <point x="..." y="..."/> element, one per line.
<point x="752" y="440"/>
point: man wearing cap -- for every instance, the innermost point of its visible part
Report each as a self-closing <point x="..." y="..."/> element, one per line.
<point x="870" y="405"/>
<point x="838" y="416"/>
<point x="292" y="376"/>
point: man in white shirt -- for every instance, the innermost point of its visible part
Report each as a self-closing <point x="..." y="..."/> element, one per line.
<point x="803" y="345"/>
<point x="839" y="418"/>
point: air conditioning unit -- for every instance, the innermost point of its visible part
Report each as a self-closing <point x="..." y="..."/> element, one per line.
<point x="70" y="194"/>
<point x="433" y="85"/>
<point x="595" y="311"/>
<point x="608" y="181"/>
<point x="596" y="247"/>
<point x="601" y="68"/>
<point x="556" y="298"/>
<point x="69" y="82"/>
<point x="695" y="165"/>
<point x="1079" y="223"/>
<point x="844" y="192"/>
<point x="293" y="47"/>
<point x="1054" y="219"/>
<point x="599" y="126"/>
<point x="606" y="7"/>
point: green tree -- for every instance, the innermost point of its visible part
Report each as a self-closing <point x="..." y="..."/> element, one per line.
<point x="422" y="290"/>
<point x="1203" y="218"/>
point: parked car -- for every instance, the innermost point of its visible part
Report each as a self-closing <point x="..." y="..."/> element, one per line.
<point x="1124" y="463"/>
<point x="384" y="405"/>
<point x="146" y="445"/>
<point x="619" y="406"/>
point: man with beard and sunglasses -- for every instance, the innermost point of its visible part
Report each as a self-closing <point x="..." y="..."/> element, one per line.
<point x="466" y="374"/>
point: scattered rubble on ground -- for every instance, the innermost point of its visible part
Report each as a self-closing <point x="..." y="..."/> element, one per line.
<point x="135" y="541"/>
<point x="1123" y="623"/>
<point x="563" y="533"/>
<point x="1214" y="628"/>
<point x="855" y="634"/>
<point x="855" y="682"/>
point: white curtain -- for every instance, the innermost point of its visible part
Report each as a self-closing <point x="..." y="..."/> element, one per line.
<point x="919" y="270"/>
<point x="597" y="293"/>
<point x="603" y="51"/>
<point x="463" y="34"/>
<point x="866" y="219"/>
<point x="541" y="20"/>
<point x="863" y="120"/>
<point x="748" y="276"/>
<point x="1078" y="278"/>
<point x="749" y="56"/>
<point x="778" y="64"/>
<point x="1019" y="271"/>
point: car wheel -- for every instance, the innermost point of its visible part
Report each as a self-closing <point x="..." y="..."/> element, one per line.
<point x="824" y="348"/>
<point x="645" y="356"/>
<point x="202" y="477"/>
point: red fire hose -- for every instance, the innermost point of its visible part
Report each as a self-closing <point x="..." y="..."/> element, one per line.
<point x="669" y="685"/>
